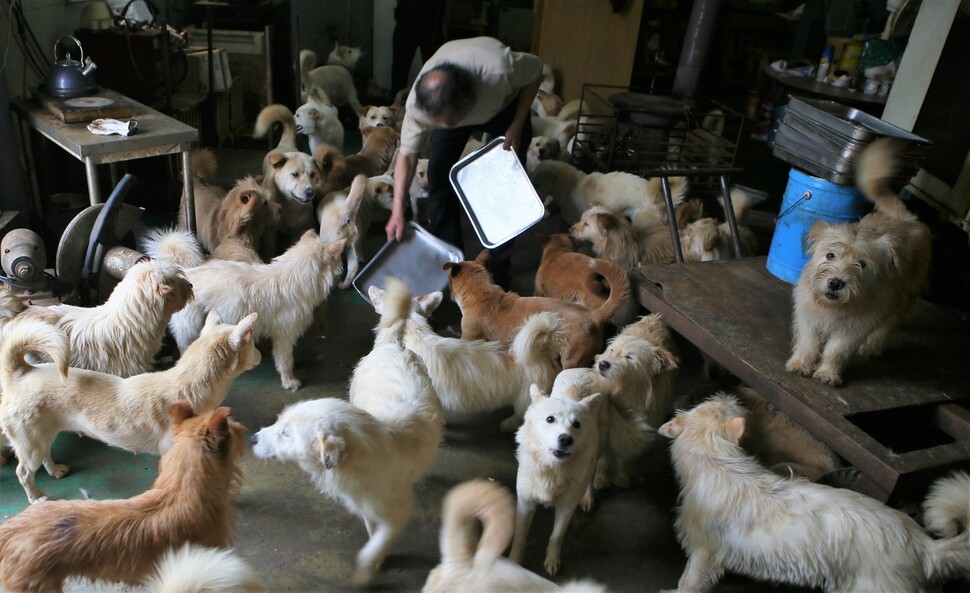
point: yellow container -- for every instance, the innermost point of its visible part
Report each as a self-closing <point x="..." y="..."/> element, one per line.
<point x="849" y="59"/>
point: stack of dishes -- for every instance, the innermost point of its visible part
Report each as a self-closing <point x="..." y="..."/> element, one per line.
<point x="824" y="138"/>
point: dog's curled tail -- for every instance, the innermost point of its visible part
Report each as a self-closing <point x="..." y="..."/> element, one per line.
<point x="679" y="187"/>
<point x="197" y="569"/>
<point x="740" y="204"/>
<point x="308" y="61"/>
<point x="173" y="246"/>
<point x="31" y="335"/>
<point x="276" y="113"/>
<point x="397" y="310"/>
<point x="483" y="501"/>
<point x="204" y="164"/>
<point x="539" y="338"/>
<point x="619" y="283"/>
<point x="875" y="171"/>
<point x="946" y="513"/>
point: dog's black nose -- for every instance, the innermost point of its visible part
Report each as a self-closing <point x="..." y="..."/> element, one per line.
<point x="604" y="365"/>
<point x="565" y="440"/>
<point x="542" y="152"/>
<point x="254" y="439"/>
<point x="379" y="124"/>
<point x="308" y="192"/>
<point x="835" y="283"/>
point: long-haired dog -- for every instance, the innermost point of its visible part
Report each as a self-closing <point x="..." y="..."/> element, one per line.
<point x="707" y="239"/>
<point x="198" y="569"/>
<point x="861" y="277"/>
<point x="122" y="336"/>
<point x="346" y="214"/>
<point x="637" y="372"/>
<point x="373" y="159"/>
<point x="192" y="500"/>
<point x="477" y="375"/>
<point x="490" y="313"/>
<point x="317" y="119"/>
<point x="285" y="292"/>
<point x="557" y="447"/>
<point x="470" y="565"/>
<point x="369" y="452"/>
<point x="736" y="515"/>
<point x="41" y="401"/>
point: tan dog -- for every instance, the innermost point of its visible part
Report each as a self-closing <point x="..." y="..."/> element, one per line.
<point x="132" y="414"/>
<point x="291" y="176"/>
<point x="346" y="214"/>
<point x="707" y="239"/>
<point x="477" y="375"/>
<point x="122" y="336"/>
<point x="419" y="186"/>
<point x="466" y="566"/>
<point x="206" y="196"/>
<point x="373" y="159"/>
<point x="197" y="569"/>
<point x="193" y="500"/>
<point x="543" y="149"/>
<point x="490" y="313"/>
<point x="546" y="104"/>
<point x="285" y="292"/>
<point x="861" y="278"/>
<point x="335" y="80"/>
<point x="796" y="532"/>
<point x="375" y="116"/>
<point x="558" y="443"/>
<point x="637" y="372"/>
<point x="318" y="120"/>
<point x="370" y="452"/>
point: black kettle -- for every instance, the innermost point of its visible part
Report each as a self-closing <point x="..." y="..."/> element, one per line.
<point x="70" y="78"/>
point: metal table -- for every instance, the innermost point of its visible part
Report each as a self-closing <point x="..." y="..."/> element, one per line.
<point x="157" y="135"/>
<point x="901" y="419"/>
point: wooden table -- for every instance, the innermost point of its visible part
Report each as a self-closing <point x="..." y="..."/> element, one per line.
<point x="901" y="419"/>
<point x="157" y="135"/>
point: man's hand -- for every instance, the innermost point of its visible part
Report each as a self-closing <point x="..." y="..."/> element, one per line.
<point x="395" y="226"/>
<point x="403" y="173"/>
<point x="512" y="136"/>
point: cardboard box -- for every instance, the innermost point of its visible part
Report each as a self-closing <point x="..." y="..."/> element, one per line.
<point x="199" y="70"/>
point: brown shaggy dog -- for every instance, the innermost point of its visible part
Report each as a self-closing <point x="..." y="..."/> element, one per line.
<point x="490" y="313"/>
<point x="372" y="160"/>
<point x="192" y="500"/>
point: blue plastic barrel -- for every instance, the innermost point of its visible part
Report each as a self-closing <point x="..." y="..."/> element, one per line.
<point x="806" y="200"/>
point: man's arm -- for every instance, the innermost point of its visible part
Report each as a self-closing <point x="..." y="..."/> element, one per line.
<point x="522" y="111"/>
<point x="404" y="168"/>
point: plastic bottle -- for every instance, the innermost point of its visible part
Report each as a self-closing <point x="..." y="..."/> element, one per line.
<point x="824" y="63"/>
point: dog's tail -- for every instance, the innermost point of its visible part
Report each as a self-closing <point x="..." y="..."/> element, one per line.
<point x="483" y="501"/>
<point x="276" y="113"/>
<point x="876" y="169"/>
<point x="204" y="164"/>
<point x="31" y="335"/>
<point x="619" y="283"/>
<point x="679" y="186"/>
<point x="308" y="61"/>
<point x="197" y="569"/>
<point x="173" y="246"/>
<point x="397" y="310"/>
<point x="946" y="513"/>
<point x="740" y="204"/>
<point x="539" y="339"/>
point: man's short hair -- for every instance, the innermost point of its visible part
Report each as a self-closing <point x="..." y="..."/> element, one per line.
<point x="455" y="92"/>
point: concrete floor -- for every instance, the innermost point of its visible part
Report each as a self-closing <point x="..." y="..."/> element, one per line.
<point x="300" y="541"/>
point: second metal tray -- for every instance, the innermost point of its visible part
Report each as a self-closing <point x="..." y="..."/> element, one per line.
<point x="417" y="260"/>
<point x="857" y="125"/>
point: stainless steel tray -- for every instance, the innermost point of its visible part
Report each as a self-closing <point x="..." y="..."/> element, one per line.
<point x="798" y="157"/>
<point x="857" y="125"/>
<point x="839" y="145"/>
<point x="496" y="193"/>
<point x="416" y="260"/>
<point x="842" y="163"/>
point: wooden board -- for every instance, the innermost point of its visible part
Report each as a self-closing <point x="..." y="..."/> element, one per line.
<point x="85" y="109"/>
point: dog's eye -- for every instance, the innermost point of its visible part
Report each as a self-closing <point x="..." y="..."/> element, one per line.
<point x="586" y="224"/>
<point x="295" y="173"/>
<point x="862" y="264"/>
<point x="829" y="255"/>
<point x="550" y="419"/>
<point x="577" y="424"/>
<point x="285" y="433"/>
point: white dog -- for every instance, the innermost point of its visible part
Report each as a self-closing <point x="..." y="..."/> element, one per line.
<point x="284" y="292"/>
<point x="478" y="375"/>
<point x="346" y="214"/>
<point x="335" y="80"/>
<point x="133" y="414"/>
<point x="543" y="149"/>
<point x="122" y="336"/>
<point x="638" y="199"/>
<point x="736" y="515"/>
<point x="317" y="120"/>
<point x="861" y="278"/>
<point x="374" y="116"/>
<point x="466" y="567"/>
<point x="557" y="449"/>
<point x="368" y="453"/>
<point x="197" y="569"/>
<point x="344" y="55"/>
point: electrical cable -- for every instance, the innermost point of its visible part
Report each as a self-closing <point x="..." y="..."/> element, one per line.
<point x="3" y="62"/>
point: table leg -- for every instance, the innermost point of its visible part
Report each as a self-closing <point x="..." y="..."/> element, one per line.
<point x="188" y="190"/>
<point x="94" y="190"/>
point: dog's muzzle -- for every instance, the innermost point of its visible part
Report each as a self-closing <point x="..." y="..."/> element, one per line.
<point x="603" y="366"/>
<point x="565" y="442"/>
<point x="379" y="124"/>
<point x="833" y="286"/>
<point x="306" y="197"/>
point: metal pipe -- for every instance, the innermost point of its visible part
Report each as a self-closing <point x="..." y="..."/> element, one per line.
<point x="672" y="219"/>
<point x="697" y="42"/>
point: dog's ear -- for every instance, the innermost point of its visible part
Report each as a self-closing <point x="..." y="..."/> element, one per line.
<point x="673" y="428"/>
<point x="362" y="111"/>
<point x="734" y="429"/>
<point x="335" y="249"/>
<point x="543" y="239"/>
<point x="217" y="429"/>
<point x="376" y="298"/>
<point x="330" y="449"/>
<point x="815" y="234"/>
<point x="276" y="161"/>
<point x="258" y="179"/>
<point x="482" y="257"/>
<point x="666" y="360"/>
<point x="453" y="268"/>
<point x="605" y="221"/>
<point x="592" y="401"/>
<point x="395" y="110"/>
<point x="242" y="335"/>
<point x="428" y="304"/>
<point x="211" y="320"/>
<point x="535" y="393"/>
<point x="181" y="411"/>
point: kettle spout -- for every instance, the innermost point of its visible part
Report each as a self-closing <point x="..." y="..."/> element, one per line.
<point x="89" y="66"/>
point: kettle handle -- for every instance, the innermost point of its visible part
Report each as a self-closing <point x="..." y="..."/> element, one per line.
<point x="72" y="38"/>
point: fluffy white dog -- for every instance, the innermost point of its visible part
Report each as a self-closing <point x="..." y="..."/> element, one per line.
<point x="197" y="569"/>
<point x="317" y="120"/>
<point x="370" y="452"/>
<point x="557" y="449"/>
<point x="335" y="80"/>
<point x="344" y="55"/>
<point x="736" y="515"/>
<point x="466" y="566"/>
<point x="478" y="375"/>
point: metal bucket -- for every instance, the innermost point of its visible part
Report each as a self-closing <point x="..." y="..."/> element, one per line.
<point x="806" y="200"/>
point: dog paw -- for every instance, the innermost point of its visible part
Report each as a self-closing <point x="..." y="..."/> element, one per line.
<point x="587" y="503"/>
<point x="798" y="365"/>
<point x="36" y="499"/>
<point x="59" y="471"/>
<point x="552" y="565"/>
<point x="871" y="349"/>
<point x="362" y="577"/>
<point x="291" y="384"/>
<point x="510" y="424"/>
<point x="827" y="376"/>
<point x="600" y="481"/>
<point x="346" y="284"/>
